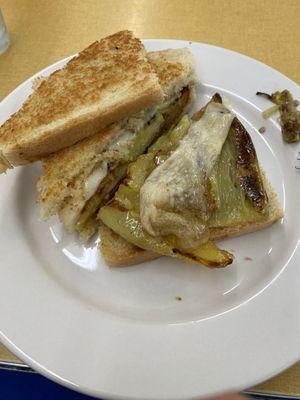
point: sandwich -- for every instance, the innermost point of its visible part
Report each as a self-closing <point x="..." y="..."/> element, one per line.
<point x="199" y="182"/>
<point x="78" y="180"/>
<point x="108" y="81"/>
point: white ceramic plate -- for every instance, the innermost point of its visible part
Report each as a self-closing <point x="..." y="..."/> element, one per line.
<point x="120" y="333"/>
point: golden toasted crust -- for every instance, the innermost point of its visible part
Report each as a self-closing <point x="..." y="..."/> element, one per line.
<point x="175" y="69"/>
<point x="118" y="252"/>
<point x="107" y="81"/>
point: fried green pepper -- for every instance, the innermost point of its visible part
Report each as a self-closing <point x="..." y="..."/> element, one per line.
<point x="121" y="214"/>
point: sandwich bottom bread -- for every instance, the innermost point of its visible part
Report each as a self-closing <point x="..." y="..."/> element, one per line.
<point x="236" y="195"/>
<point x="118" y="252"/>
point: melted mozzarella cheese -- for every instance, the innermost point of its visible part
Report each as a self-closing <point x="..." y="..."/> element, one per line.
<point x="134" y="125"/>
<point x="173" y="199"/>
<point x="122" y="142"/>
<point x="93" y="181"/>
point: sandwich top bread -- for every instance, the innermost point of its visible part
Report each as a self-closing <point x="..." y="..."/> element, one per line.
<point x="109" y="80"/>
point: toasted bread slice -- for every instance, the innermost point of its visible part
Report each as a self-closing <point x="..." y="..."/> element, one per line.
<point x="118" y="252"/>
<point x="65" y="172"/>
<point x="109" y="80"/>
<point x="175" y="69"/>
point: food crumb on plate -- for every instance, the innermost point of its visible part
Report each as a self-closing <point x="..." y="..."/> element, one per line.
<point x="297" y="166"/>
<point x="248" y="258"/>
<point x="178" y="298"/>
<point x="262" y="129"/>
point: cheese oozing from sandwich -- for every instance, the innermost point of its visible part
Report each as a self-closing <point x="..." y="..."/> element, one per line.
<point x="93" y="181"/>
<point x="119" y="147"/>
<point x="121" y="144"/>
<point x="174" y="200"/>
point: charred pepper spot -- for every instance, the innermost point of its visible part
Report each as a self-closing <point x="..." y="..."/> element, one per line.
<point x="252" y="190"/>
<point x="207" y="263"/>
<point x="247" y="166"/>
<point x="215" y="99"/>
<point x="175" y="112"/>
